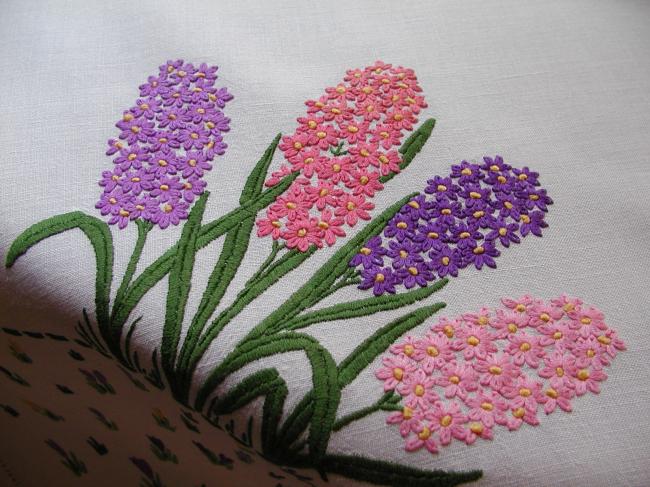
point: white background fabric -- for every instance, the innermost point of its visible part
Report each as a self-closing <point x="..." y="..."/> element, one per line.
<point x="563" y="87"/>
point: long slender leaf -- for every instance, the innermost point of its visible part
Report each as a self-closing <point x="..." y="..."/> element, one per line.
<point x="101" y="240"/>
<point x="412" y="146"/>
<point x="180" y="281"/>
<point x="363" y="307"/>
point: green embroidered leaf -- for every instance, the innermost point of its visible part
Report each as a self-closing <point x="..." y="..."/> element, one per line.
<point x="379" y="341"/>
<point x="268" y="383"/>
<point x="386" y="473"/>
<point x="180" y="280"/>
<point x="353" y="365"/>
<point x="412" y="146"/>
<point x="326" y="393"/>
<point x="364" y="307"/>
<point x="232" y="254"/>
<point x="317" y="287"/>
<point x="102" y="241"/>
<point x="289" y="261"/>
<point x="255" y="182"/>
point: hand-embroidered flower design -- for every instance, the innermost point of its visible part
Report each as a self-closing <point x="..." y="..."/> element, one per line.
<point x="459" y="222"/>
<point x="523" y="369"/>
<point x="165" y="145"/>
<point x="342" y="148"/>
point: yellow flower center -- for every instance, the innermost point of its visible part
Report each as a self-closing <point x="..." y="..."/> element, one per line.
<point x="512" y="327"/>
<point x="398" y="373"/>
<point x="135" y="129"/>
<point x="131" y="157"/>
<point x="380" y="277"/>
<point x="124" y="213"/>
<point x="323" y="225"/>
<point x="321" y="135"/>
<point x="552" y="393"/>
<point x="424" y="434"/>
<point x="473" y="341"/>
<point x="414" y="204"/>
<point x="445" y="211"/>
<point x="336" y="111"/>
<point x="520" y="307"/>
<point x="604" y="340"/>
<point x="476" y="428"/>
<point x="478" y="250"/>
<point x="557" y="335"/>
<point x="474" y="195"/>
<point x="364" y="152"/>
<point x="585" y="321"/>
<point x="384" y="134"/>
<point x="365" y="251"/>
<point x="402" y="225"/>
<point x="168" y="208"/>
<point x="312" y="124"/>
<point x="308" y="160"/>
<point x="525" y="392"/>
<point x="524" y="347"/>
<point x="432" y="235"/>
<point x="445" y="260"/>
<point x="519" y="413"/>
<point x="164" y="187"/>
<point x="413" y="271"/>
<point x="442" y="188"/>
<point x="463" y="235"/>
<point x="495" y="370"/>
<point x="291" y="206"/>
<point x="408" y="350"/>
<point x="127" y="117"/>
<point x="507" y="204"/>
<point x="407" y="412"/>
<point x="494" y="168"/>
<point x="487" y="406"/>
<point x="534" y="197"/>
<point x="568" y="307"/>
<point x="353" y="129"/>
<point x="466" y="172"/>
<point x="446" y="420"/>
<point x="483" y="320"/>
<point x="478" y="214"/>
<point x="522" y="177"/>
<point x="276" y="223"/>
<point x="209" y="125"/>
<point x="194" y="135"/>
<point x="383" y="159"/>
<point x="340" y="90"/>
<point x="559" y="371"/>
<point x="502" y="179"/>
<point x="419" y="390"/>
<point x="454" y="379"/>
<point x="297" y="145"/>
<point x="448" y="330"/>
<point x="139" y="207"/>
<point x="302" y="232"/>
<point x="591" y="353"/>
<point x="525" y="218"/>
<point x="432" y="351"/>
<point x="545" y="317"/>
<point x="336" y="168"/>
<point x="135" y="179"/>
<point x="583" y="374"/>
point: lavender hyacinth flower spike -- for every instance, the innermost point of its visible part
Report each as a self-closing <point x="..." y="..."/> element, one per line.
<point x="460" y="221"/>
<point x="166" y="142"/>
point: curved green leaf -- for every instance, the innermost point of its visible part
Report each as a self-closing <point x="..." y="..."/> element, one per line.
<point x="180" y="281"/>
<point x="101" y="240"/>
<point x="411" y="146"/>
<point x="387" y="473"/>
<point x="363" y="307"/>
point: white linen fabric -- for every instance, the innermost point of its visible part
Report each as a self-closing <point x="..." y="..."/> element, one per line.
<point x="562" y="87"/>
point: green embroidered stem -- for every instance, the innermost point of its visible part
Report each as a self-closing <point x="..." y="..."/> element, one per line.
<point x="232" y="254"/>
<point x="143" y="229"/>
<point x="275" y="248"/>
<point x="412" y="146"/>
<point x="326" y="393"/>
<point x="127" y="343"/>
<point x="102" y="241"/>
<point x="180" y="281"/>
<point x="354" y="364"/>
<point x="208" y="233"/>
<point x="387" y="473"/>
<point x="267" y="383"/>
<point x="382" y="404"/>
<point x="289" y="261"/>
<point x="364" y="307"/>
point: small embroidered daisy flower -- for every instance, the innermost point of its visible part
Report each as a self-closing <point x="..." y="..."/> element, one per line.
<point x="557" y="397"/>
<point x="488" y="407"/>
<point x="423" y="438"/>
<point x="458" y="380"/>
<point x="409" y="420"/>
<point x="525" y="393"/>
<point x="587" y="321"/>
<point x="519" y="416"/>
<point x="394" y="371"/>
<point x="447" y="421"/>
<point x="588" y="379"/>
<point x="407" y="348"/>
<point x="559" y="369"/>
<point x="447" y="327"/>
<point x="497" y="371"/>
<point x="509" y="322"/>
<point x="525" y="348"/>
<point x="433" y="352"/>
<point x="417" y="390"/>
<point x="475" y="342"/>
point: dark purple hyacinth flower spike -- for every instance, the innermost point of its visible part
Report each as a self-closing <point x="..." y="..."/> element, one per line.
<point x="461" y="220"/>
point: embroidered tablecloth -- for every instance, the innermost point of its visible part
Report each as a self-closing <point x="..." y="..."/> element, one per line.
<point x="325" y="244"/>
